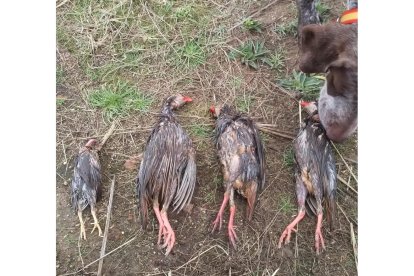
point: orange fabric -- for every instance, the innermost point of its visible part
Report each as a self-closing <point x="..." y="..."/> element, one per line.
<point x="349" y="16"/>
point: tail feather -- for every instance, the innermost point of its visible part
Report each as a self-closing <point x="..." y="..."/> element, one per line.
<point x="311" y="206"/>
<point x="251" y="200"/>
<point x="329" y="187"/>
<point x="186" y="189"/>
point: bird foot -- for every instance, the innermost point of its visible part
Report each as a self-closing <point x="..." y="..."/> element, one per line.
<point x="82" y="231"/>
<point x="286" y="235"/>
<point x="96" y="225"/>
<point x="169" y="235"/>
<point x="219" y="218"/>
<point x="318" y="235"/>
<point x="291" y="227"/>
<point x="319" y="241"/>
<point x="232" y="232"/>
<point x="218" y="222"/>
<point x="162" y="233"/>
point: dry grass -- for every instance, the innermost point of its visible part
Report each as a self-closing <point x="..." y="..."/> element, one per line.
<point x="161" y="48"/>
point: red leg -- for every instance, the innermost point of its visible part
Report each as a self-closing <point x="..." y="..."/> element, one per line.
<point x="162" y="230"/>
<point x="219" y="218"/>
<point x="169" y="235"/>
<point x="290" y="228"/>
<point x="232" y="233"/>
<point x="318" y="235"/>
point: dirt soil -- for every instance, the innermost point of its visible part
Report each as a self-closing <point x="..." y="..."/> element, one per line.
<point x="197" y="251"/>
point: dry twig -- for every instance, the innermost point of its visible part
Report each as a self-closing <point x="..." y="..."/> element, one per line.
<point x="346" y="164"/>
<point x="354" y="247"/>
<point x="107" y="135"/>
<point x="97" y="260"/>
<point x="108" y="220"/>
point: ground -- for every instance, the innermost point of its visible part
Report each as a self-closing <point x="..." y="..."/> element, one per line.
<point x="117" y="61"/>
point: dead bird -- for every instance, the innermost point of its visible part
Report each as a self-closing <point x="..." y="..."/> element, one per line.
<point x="315" y="175"/>
<point x="167" y="173"/>
<point x="241" y="154"/>
<point x="86" y="186"/>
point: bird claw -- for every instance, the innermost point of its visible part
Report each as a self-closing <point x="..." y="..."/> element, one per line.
<point x="286" y="234"/>
<point x="232" y="235"/>
<point x="96" y="225"/>
<point x="218" y="220"/>
<point x="161" y="233"/>
<point x="83" y="232"/>
<point x="168" y="242"/>
<point x="319" y="240"/>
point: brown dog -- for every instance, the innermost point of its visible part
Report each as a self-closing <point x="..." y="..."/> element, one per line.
<point x="332" y="48"/>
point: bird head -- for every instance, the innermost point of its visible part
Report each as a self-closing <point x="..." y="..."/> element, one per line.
<point x="178" y="101"/>
<point x="309" y="107"/>
<point x="215" y="110"/>
<point x="91" y="143"/>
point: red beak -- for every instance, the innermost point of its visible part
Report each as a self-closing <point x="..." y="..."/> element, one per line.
<point x="212" y="109"/>
<point x="187" y="99"/>
<point x="304" y="104"/>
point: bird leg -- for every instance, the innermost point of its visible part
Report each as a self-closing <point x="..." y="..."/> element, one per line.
<point x="232" y="233"/>
<point x="290" y="228"/>
<point x="95" y="222"/>
<point x="82" y="224"/>
<point x="169" y="235"/>
<point x="318" y="234"/>
<point x="219" y="218"/>
<point x="162" y="230"/>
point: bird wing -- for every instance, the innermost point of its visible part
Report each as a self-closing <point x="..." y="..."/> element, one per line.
<point x="185" y="189"/>
<point x="145" y="183"/>
<point x="329" y="184"/>
<point x="260" y="154"/>
<point x="86" y="182"/>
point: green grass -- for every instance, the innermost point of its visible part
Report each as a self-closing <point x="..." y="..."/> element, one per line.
<point x="308" y="85"/>
<point x="244" y="103"/>
<point x="60" y="102"/>
<point x="200" y="131"/>
<point x="287" y="29"/>
<point x="323" y="10"/>
<point x="277" y="61"/>
<point x="184" y="12"/>
<point x="251" y="53"/>
<point x="236" y="82"/>
<point x="190" y="55"/>
<point x="116" y="100"/>
<point x="288" y="158"/>
<point x="285" y="205"/>
<point x="217" y="181"/>
<point x="252" y="25"/>
<point x="60" y="74"/>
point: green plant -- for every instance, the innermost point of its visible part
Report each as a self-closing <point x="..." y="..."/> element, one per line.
<point x="323" y="10"/>
<point x="200" y="131"/>
<point x="60" y="74"/>
<point x="250" y="53"/>
<point x="191" y="54"/>
<point x="277" y="61"/>
<point x="285" y="204"/>
<point x="116" y="100"/>
<point x="287" y="29"/>
<point x="184" y="12"/>
<point x="236" y="82"/>
<point x="60" y="101"/>
<point x="288" y="158"/>
<point x="252" y="25"/>
<point x="244" y="104"/>
<point x="308" y="85"/>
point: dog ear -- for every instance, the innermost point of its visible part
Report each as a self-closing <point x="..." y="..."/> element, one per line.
<point x="308" y="34"/>
<point x="340" y="76"/>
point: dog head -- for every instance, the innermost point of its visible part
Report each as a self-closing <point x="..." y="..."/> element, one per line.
<point x="322" y="45"/>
